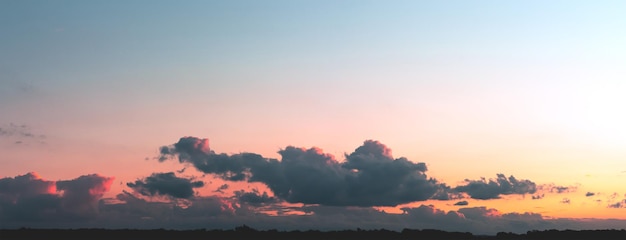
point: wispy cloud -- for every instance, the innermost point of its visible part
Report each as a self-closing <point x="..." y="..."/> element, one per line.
<point x="552" y="188"/>
<point x="221" y="188"/>
<point x="20" y="133"/>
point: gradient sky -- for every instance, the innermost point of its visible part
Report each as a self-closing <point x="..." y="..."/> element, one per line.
<point x="90" y="92"/>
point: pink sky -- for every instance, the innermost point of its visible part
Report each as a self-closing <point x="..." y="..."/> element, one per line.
<point x="456" y="92"/>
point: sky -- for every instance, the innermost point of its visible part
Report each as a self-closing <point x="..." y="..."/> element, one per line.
<point x="479" y="116"/>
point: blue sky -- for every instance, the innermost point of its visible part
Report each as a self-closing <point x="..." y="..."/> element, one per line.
<point x="472" y="88"/>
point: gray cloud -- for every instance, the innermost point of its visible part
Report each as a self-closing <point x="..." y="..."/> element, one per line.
<point x="19" y="130"/>
<point x="255" y="198"/>
<point x="27" y="197"/>
<point x="218" y="213"/>
<point x="30" y="198"/>
<point x="222" y="188"/>
<point x="26" y="185"/>
<point x="166" y="184"/>
<point x="561" y="189"/>
<point x="493" y="188"/>
<point x="461" y="203"/>
<point x="336" y="195"/>
<point x="82" y="194"/>
<point x="29" y="201"/>
<point x="370" y="176"/>
<point x="589" y="194"/>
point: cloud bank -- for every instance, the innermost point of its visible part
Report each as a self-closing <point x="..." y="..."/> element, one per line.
<point x="29" y="197"/>
<point x="308" y="189"/>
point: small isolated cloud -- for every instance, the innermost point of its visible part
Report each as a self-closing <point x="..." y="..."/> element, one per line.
<point x="538" y="196"/>
<point x="566" y="201"/>
<point x="166" y="184"/>
<point x="589" y="194"/>
<point x="561" y="189"/>
<point x="370" y="176"/>
<point x="461" y="203"/>
<point x="221" y="188"/>
<point x="493" y="188"/>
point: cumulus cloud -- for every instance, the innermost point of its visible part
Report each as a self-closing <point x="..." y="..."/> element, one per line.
<point x="589" y="194"/>
<point x="493" y="188"/>
<point x="25" y="186"/>
<point x="29" y="197"/>
<point x="369" y="176"/>
<point x="82" y="194"/>
<point x="30" y="201"/>
<point x="166" y="184"/>
<point x="330" y="195"/>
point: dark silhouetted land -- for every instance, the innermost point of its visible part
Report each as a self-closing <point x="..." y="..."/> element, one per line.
<point x="245" y="232"/>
